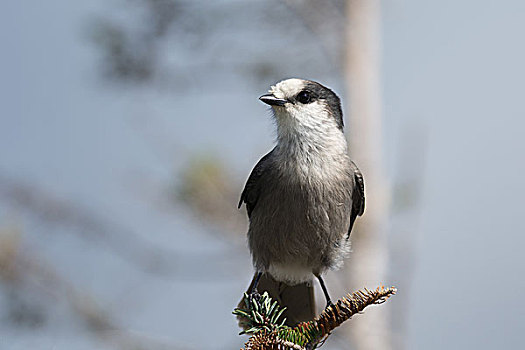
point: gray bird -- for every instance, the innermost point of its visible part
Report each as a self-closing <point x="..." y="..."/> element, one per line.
<point x="302" y="198"/>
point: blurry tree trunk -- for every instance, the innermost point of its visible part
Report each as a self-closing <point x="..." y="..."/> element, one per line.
<point x="368" y="262"/>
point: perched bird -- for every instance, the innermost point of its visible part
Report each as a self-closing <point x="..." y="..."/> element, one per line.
<point x="302" y="198"/>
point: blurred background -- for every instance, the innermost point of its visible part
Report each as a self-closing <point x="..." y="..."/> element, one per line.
<point x="128" y="128"/>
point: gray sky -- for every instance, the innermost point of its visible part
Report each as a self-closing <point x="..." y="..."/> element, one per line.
<point x="453" y="67"/>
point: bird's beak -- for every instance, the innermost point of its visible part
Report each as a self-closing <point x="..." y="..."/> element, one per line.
<point x="272" y="100"/>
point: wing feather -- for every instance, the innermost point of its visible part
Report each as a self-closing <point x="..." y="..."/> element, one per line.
<point x="252" y="189"/>
<point x="358" y="196"/>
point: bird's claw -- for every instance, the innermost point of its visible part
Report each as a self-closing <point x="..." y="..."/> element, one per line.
<point x="254" y="295"/>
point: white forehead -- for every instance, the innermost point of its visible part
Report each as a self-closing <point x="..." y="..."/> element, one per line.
<point x="287" y="88"/>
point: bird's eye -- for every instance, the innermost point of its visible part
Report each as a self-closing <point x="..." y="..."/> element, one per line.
<point x="304" y="97"/>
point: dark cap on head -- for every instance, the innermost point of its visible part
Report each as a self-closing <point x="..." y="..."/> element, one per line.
<point x="321" y="92"/>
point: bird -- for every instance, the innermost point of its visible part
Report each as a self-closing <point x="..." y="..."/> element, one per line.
<point x="302" y="198"/>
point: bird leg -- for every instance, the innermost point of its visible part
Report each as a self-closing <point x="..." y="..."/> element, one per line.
<point x="325" y="291"/>
<point x="254" y="293"/>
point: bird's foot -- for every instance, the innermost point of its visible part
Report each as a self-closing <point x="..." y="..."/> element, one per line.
<point x="254" y="295"/>
<point x="331" y="306"/>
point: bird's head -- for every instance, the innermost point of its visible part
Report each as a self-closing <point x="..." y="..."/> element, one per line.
<point x="304" y="106"/>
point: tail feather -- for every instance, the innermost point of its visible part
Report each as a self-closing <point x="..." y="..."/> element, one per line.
<point x="298" y="299"/>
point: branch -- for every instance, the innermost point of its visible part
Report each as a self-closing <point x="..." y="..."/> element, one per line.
<point x="261" y="317"/>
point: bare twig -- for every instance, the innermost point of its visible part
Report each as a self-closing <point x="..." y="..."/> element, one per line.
<point x="20" y="268"/>
<point x="121" y="241"/>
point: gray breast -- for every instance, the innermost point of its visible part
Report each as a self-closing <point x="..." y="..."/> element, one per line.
<point x="301" y="219"/>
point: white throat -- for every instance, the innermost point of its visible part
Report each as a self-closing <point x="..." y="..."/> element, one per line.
<point x="307" y="134"/>
<point x="310" y="148"/>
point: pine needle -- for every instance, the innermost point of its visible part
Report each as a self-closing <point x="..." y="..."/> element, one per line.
<point x="261" y="315"/>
